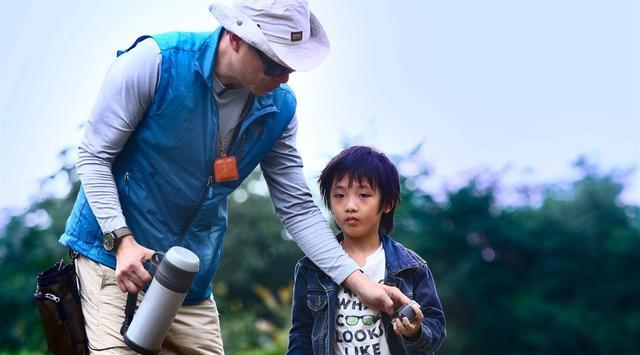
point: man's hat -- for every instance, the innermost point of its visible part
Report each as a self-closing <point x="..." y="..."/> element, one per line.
<point x="284" y="30"/>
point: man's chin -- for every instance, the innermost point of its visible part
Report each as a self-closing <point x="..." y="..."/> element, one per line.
<point x="262" y="91"/>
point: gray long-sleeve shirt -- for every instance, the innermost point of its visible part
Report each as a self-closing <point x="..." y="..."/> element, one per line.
<point x="126" y="94"/>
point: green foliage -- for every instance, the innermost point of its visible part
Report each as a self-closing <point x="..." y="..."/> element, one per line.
<point x="257" y="261"/>
<point x="28" y="245"/>
<point x="256" y="247"/>
<point x="556" y="277"/>
<point x="550" y="279"/>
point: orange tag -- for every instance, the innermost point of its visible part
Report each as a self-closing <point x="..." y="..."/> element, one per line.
<point x="225" y="169"/>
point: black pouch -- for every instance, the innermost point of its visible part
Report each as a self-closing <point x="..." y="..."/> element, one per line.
<point x="60" y="311"/>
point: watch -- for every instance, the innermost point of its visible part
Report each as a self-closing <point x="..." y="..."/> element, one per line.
<point x="110" y="240"/>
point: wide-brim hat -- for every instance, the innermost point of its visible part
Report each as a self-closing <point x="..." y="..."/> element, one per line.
<point x="284" y="30"/>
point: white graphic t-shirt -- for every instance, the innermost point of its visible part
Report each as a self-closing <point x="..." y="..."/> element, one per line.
<point x="359" y="329"/>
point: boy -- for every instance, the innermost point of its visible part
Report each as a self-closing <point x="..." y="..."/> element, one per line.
<point x="361" y="187"/>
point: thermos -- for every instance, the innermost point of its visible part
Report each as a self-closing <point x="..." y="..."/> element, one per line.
<point x="171" y="281"/>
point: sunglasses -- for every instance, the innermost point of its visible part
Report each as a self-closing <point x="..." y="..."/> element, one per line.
<point x="366" y="320"/>
<point x="271" y="67"/>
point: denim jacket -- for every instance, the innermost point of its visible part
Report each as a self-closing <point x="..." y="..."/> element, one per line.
<point x="315" y="305"/>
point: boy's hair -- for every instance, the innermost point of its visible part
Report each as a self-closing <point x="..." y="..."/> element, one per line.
<point x="364" y="164"/>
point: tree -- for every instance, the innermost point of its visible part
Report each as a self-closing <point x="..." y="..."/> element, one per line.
<point x="257" y="261"/>
<point x="28" y="245"/>
<point x="557" y="277"/>
<point x="525" y="279"/>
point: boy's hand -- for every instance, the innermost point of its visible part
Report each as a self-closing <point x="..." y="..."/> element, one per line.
<point x="402" y="325"/>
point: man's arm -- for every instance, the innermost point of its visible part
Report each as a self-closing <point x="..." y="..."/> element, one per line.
<point x="124" y="97"/>
<point x="282" y="169"/>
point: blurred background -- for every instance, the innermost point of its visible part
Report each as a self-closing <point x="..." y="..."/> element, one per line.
<point x="515" y="126"/>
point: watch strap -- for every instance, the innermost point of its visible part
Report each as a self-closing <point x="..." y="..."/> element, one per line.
<point x="121" y="232"/>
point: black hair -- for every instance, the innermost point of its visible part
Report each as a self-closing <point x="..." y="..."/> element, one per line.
<point x="365" y="164"/>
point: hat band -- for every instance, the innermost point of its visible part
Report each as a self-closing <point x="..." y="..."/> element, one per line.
<point x="285" y="37"/>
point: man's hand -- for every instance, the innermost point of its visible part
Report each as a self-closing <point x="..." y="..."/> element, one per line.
<point x="130" y="273"/>
<point x="399" y="299"/>
<point x="374" y="295"/>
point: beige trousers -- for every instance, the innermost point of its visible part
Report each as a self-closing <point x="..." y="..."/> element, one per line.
<point x="195" y="330"/>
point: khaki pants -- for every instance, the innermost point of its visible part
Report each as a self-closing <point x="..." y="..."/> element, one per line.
<point x="195" y="330"/>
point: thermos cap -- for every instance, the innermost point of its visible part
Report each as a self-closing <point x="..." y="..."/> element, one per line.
<point x="183" y="259"/>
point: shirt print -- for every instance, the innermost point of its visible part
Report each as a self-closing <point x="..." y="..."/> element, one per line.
<point x="359" y="329"/>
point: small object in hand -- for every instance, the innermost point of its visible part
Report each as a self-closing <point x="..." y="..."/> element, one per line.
<point x="407" y="311"/>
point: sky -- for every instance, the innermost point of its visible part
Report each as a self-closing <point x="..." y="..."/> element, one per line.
<point x="518" y="88"/>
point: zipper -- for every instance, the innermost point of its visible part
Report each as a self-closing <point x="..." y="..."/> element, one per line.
<point x="238" y="147"/>
<point x="211" y="161"/>
<point x="210" y="186"/>
<point x="248" y="122"/>
<point x="48" y="296"/>
<point x="126" y="183"/>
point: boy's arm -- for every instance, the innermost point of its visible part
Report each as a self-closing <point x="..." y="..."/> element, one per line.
<point x="301" y="317"/>
<point x="432" y="331"/>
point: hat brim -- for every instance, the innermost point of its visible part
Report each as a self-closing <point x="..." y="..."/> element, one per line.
<point x="299" y="56"/>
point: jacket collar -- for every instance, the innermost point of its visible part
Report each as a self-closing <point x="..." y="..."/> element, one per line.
<point x="207" y="56"/>
<point x="398" y="257"/>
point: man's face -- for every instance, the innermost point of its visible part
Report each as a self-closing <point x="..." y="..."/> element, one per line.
<point x="250" y="71"/>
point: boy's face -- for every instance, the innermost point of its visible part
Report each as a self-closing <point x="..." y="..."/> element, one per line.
<point x="356" y="208"/>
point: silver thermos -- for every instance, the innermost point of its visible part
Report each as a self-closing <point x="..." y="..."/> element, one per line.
<point x="172" y="278"/>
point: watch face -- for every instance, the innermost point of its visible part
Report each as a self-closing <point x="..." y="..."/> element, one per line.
<point x="108" y="241"/>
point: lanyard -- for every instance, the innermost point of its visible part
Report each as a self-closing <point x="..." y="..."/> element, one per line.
<point x="222" y="142"/>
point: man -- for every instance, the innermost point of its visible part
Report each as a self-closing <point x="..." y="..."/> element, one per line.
<point x="181" y="120"/>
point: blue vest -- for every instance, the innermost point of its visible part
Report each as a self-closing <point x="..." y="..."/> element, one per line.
<point x="164" y="174"/>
